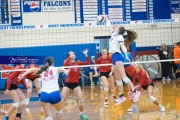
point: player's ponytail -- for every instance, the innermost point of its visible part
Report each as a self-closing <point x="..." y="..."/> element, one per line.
<point x="131" y="35"/>
<point x="48" y="62"/>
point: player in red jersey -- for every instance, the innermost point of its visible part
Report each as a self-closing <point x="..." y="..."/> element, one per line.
<point x="72" y="80"/>
<point x="106" y="74"/>
<point x="32" y="78"/>
<point x="15" y="93"/>
<point x="141" y="76"/>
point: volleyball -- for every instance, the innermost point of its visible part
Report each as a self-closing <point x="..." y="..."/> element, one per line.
<point x="101" y="18"/>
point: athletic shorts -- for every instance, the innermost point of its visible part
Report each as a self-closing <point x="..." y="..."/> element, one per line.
<point x="32" y="79"/>
<point x="71" y="85"/>
<point x="145" y="87"/>
<point x="12" y="86"/>
<point x="52" y="98"/>
<point x="117" y="57"/>
<point x="106" y="74"/>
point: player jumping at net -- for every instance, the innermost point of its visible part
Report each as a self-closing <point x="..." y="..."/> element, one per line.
<point x="15" y="93"/>
<point x="72" y="80"/>
<point x="141" y="76"/>
<point x="116" y="42"/>
<point x="32" y="78"/>
<point x="106" y="75"/>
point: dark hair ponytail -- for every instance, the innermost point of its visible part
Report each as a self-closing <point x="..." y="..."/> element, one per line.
<point x="48" y="62"/>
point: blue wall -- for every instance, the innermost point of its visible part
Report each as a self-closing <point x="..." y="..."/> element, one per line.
<point x="58" y="52"/>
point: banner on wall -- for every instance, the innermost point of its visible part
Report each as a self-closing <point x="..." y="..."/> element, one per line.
<point x="32" y="6"/>
<point x="57" y="5"/>
<point x="175" y="6"/>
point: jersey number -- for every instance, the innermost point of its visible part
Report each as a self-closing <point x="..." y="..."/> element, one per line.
<point x="48" y="72"/>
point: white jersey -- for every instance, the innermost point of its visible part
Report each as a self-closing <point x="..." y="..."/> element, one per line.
<point x="114" y="43"/>
<point x="49" y="79"/>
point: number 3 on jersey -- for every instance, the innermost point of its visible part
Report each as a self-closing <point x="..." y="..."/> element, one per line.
<point x="47" y="72"/>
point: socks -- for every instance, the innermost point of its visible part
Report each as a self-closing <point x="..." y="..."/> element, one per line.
<point x="18" y="115"/>
<point x="121" y="94"/>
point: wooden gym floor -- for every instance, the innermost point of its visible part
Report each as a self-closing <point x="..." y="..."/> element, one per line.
<point x="167" y="94"/>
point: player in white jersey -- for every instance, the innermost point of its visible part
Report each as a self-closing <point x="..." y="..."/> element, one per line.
<point x="116" y="42"/>
<point x="50" y="88"/>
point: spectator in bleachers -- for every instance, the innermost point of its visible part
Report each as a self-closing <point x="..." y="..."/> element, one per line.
<point x="177" y="55"/>
<point x="174" y="65"/>
<point x="163" y="55"/>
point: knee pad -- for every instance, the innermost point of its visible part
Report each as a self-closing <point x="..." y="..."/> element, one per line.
<point x="49" y="118"/>
<point x="29" y="90"/>
<point x="126" y="79"/>
<point x="23" y="101"/>
<point x="59" y="111"/>
<point x="152" y="98"/>
<point x="106" y="88"/>
<point x="16" y="104"/>
<point x="119" y="82"/>
<point x="81" y="102"/>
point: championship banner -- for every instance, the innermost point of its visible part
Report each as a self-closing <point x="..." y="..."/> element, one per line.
<point x="57" y="5"/>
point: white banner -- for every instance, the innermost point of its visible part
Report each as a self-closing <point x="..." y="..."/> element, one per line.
<point x="57" y="5"/>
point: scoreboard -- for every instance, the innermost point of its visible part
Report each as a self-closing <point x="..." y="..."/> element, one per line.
<point x="122" y="10"/>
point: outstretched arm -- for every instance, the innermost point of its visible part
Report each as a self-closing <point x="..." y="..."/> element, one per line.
<point x="108" y="23"/>
<point x="34" y="70"/>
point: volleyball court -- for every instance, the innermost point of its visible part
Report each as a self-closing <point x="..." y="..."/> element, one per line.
<point x="66" y="41"/>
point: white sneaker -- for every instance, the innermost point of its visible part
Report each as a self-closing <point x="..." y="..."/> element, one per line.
<point x="27" y="102"/>
<point x="136" y="96"/>
<point x="133" y="109"/>
<point x="168" y="80"/>
<point x="119" y="100"/>
<point x="162" y="109"/>
<point x="130" y="95"/>
<point x="106" y="102"/>
<point x="163" y="81"/>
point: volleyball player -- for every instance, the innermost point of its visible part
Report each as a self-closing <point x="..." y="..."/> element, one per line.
<point x="2" y="112"/>
<point x="116" y="42"/>
<point x="141" y="76"/>
<point x="32" y="78"/>
<point x="50" y="94"/>
<point x="15" y="93"/>
<point x="72" y="80"/>
<point x="106" y="75"/>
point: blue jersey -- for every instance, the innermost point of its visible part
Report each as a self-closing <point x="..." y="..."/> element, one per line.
<point x="125" y="60"/>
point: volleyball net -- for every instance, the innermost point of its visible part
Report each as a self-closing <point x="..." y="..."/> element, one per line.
<point x="57" y="40"/>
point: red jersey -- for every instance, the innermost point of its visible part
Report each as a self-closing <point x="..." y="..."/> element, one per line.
<point x="32" y="75"/>
<point x="12" y="78"/>
<point x="142" y="78"/>
<point x="102" y="60"/>
<point x="73" y="76"/>
<point x="129" y="70"/>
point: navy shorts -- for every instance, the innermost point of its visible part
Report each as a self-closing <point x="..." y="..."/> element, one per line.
<point x="71" y="85"/>
<point x="145" y="87"/>
<point x="117" y="57"/>
<point x="12" y="86"/>
<point x="32" y="79"/>
<point x="52" y="98"/>
<point x="106" y="74"/>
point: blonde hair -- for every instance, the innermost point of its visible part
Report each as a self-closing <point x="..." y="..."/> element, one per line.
<point x="139" y="65"/>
